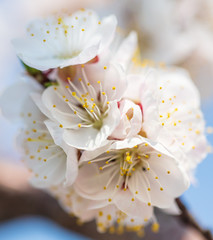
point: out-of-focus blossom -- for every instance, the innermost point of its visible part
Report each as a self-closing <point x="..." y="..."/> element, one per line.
<point x="50" y="163"/>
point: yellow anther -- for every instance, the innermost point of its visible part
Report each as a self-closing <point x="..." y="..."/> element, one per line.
<point x="136" y="146"/>
<point x="89" y="162"/>
<point x="117" y="186"/>
<point x="32" y="34"/>
<point x="34" y="122"/>
<point x="105" y="67"/>
<point x="155" y="227"/>
<point x="44" y="40"/>
<point x="107" y="162"/>
<point x="61" y="126"/>
<point x="156" y="177"/>
<point x="82" y="65"/>
<point x="146" y="144"/>
<point x="149" y="189"/>
<point x="148" y="169"/>
<point x="146" y="156"/>
<point x="146" y="220"/>
<point x="136" y="192"/>
<point x="75" y="112"/>
<point x="76" y="18"/>
<point x="91" y="111"/>
<point x="99" y="22"/>
<point x="139" y="157"/>
<point x="82" y="29"/>
<point x="163" y="101"/>
<point x="124" y="189"/>
<point x="160" y="88"/>
<point x="47" y="32"/>
<point x="107" y="151"/>
<point x="79" y="125"/>
<point x="32" y="157"/>
<point x="100" y="213"/>
<point x="74" y="93"/>
<point x="109" y="217"/>
<point x="193" y="147"/>
<point x="92" y="99"/>
<point x="162" y="124"/>
<point x="159" y="155"/>
<point x="107" y="102"/>
<point x="132" y="220"/>
<point x="161" y="189"/>
<point x="161" y="116"/>
<point x="101" y="168"/>
<point x="113" y="88"/>
<point x="46" y="147"/>
<point x="149" y="204"/>
<point x="197" y="132"/>
<point x="98" y="82"/>
<point x="133" y="199"/>
<point x="105" y="188"/>
<point x="110" y="200"/>
<point x="39" y="158"/>
<point x="45" y="160"/>
<point x="175" y="124"/>
<point x="103" y="93"/>
<point x="128" y="158"/>
<point x="168" y="172"/>
<point x="45" y="177"/>
<point x="54" y="105"/>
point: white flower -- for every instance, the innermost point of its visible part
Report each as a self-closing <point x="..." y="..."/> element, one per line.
<point x="134" y="174"/>
<point x="172" y="115"/>
<point x="50" y="164"/>
<point x="107" y="218"/>
<point x="85" y="107"/>
<point x="64" y="41"/>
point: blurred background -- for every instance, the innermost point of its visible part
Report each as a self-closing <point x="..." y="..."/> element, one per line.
<point x="171" y="32"/>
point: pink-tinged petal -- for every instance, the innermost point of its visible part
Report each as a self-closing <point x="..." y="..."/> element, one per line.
<point x="72" y="166"/>
<point x="131" y="120"/>
<point x="92" y="184"/>
<point x="124" y="201"/>
<point x="169" y="175"/>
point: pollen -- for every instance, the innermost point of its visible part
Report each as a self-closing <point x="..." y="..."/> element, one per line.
<point x="149" y="189"/>
<point x="98" y="82"/>
<point x="105" y="188"/>
<point x="159" y="155"/>
<point x="74" y="93"/>
<point x="162" y="124"/>
<point x="109" y="200"/>
<point x="146" y="144"/>
<point x="109" y="217"/>
<point x="149" y="204"/>
<point x="136" y="192"/>
<point x="155" y="227"/>
<point x="100" y="213"/>
<point x="168" y="172"/>
<point x="79" y="125"/>
<point x="44" y="40"/>
<point x="46" y="147"/>
<point x="113" y="88"/>
<point x="117" y="186"/>
<point x="133" y="199"/>
<point x="128" y="158"/>
<point x="103" y="93"/>
<point x="105" y="67"/>
<point x="161" y="189"/>
<point x="54" y="105"/>
<point x="89" y="162"/>
<point x="82" y="29"/>
<point x="61" y="126"/>
<point x="156" y="177"/>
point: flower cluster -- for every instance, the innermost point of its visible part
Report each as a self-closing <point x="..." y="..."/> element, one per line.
<point x="111" y="138"/>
